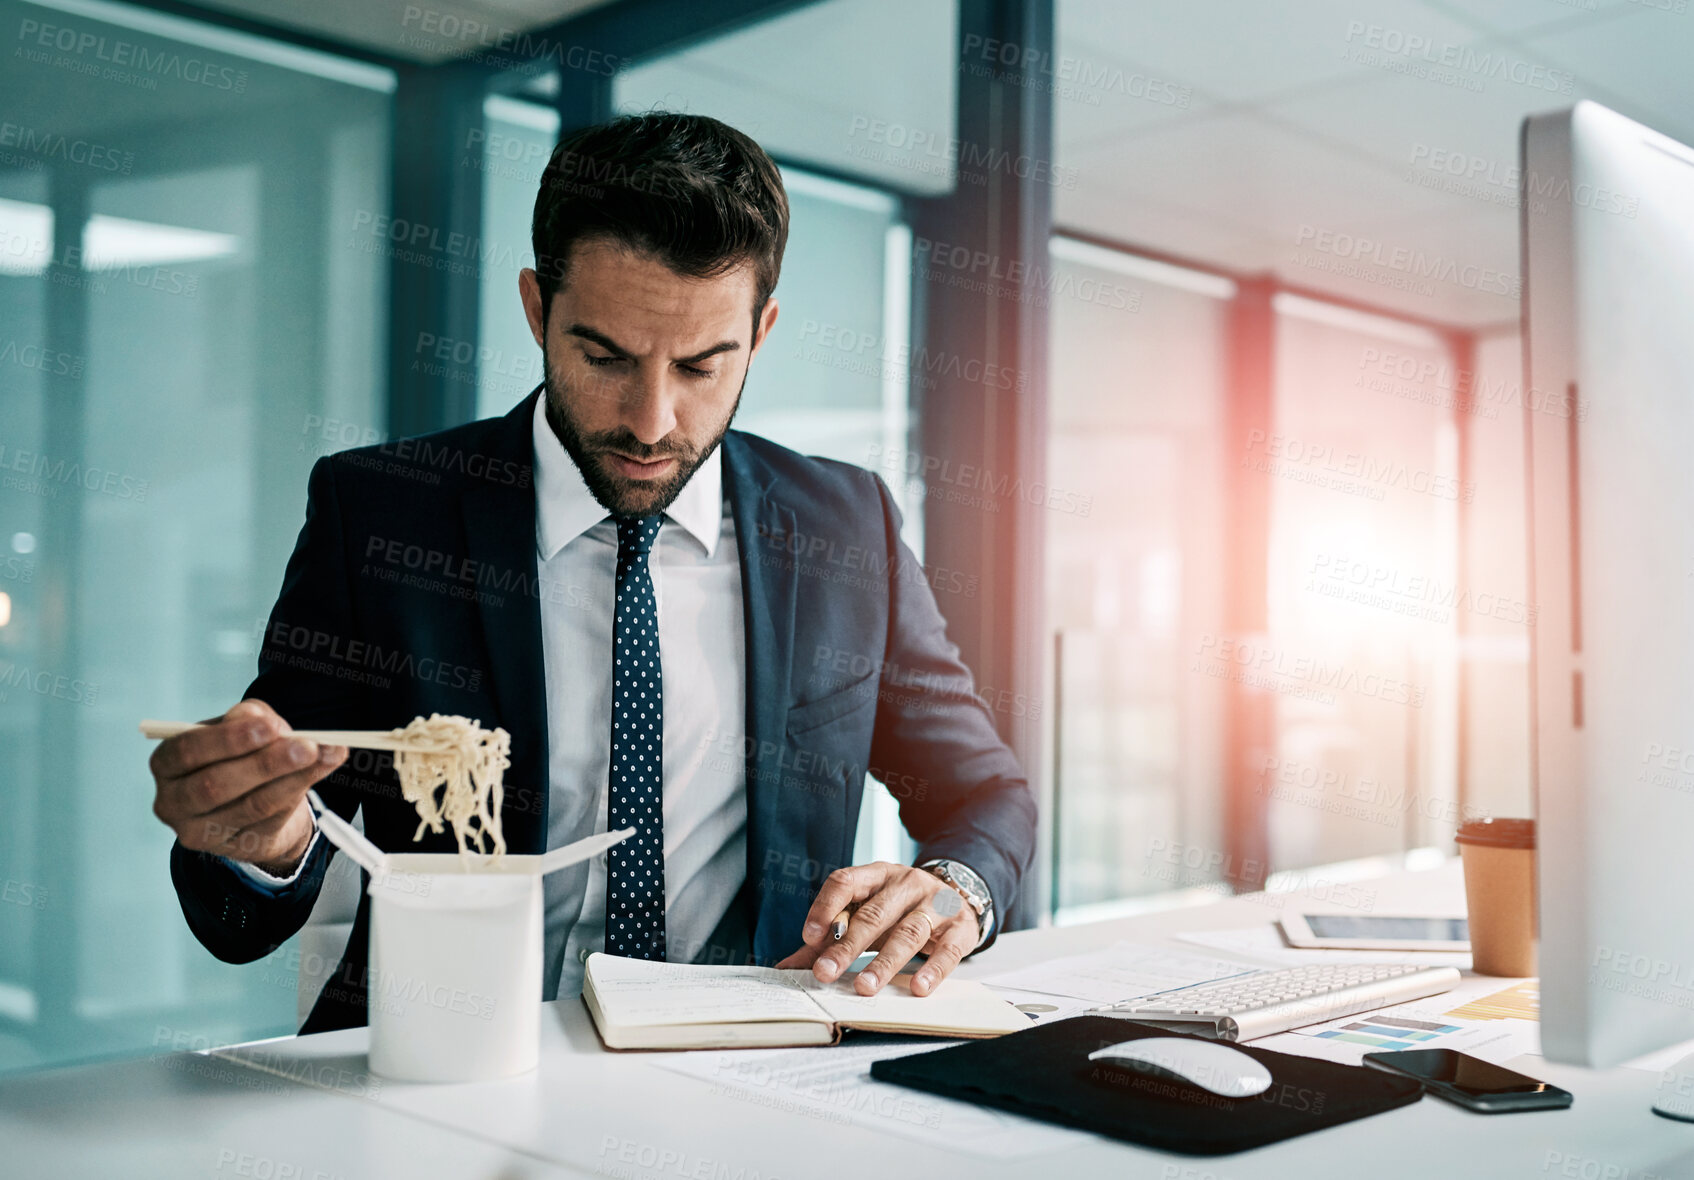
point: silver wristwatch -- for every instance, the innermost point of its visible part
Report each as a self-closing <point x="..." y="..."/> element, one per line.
<point x="971" y="887"/>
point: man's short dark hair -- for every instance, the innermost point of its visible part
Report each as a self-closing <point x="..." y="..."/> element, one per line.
<point x="694" y="192"/>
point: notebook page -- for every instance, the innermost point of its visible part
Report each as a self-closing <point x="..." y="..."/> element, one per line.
<point x="956" y="1004"/>
<point x="633" y="993"/>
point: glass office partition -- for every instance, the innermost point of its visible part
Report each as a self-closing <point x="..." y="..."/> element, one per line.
<point x="26" y="229"/>
<point x="517" y="140"/>
<point x="1366" y="600"/>
<point x="1133" y="572"/>
<point x="188" y="323"/>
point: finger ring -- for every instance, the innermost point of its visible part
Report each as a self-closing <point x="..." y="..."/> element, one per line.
<point x="929" y="927"/>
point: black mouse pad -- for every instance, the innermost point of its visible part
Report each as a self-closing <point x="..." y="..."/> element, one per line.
<point x="1044" y="1073"/>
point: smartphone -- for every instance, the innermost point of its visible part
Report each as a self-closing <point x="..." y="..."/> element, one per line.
<point x="1471" y="1082"/>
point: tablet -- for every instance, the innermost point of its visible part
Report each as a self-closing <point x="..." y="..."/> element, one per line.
<point x="1376" y="932"/>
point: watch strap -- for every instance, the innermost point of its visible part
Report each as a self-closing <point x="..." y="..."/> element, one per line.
<point x="971" y="887"/>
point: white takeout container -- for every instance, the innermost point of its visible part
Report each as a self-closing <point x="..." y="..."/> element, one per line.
<point x="454" y="993"/>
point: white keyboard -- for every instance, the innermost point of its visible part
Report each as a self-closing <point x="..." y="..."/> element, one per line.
<point x="1245" y="1007"/>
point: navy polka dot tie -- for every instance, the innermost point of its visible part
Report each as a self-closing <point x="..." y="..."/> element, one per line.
<point x="635" y="878"/>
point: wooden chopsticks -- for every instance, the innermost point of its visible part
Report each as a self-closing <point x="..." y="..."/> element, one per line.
<point x="364" y="739"/>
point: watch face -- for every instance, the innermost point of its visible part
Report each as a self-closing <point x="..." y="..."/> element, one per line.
<point x="958" y="881"/>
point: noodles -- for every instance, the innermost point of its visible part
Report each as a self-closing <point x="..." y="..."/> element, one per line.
<point x="470" y="771"/>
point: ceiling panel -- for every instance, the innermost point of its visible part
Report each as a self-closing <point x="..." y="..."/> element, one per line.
<point x="1102" y="97"/>
<point x="1247" y="171"/>
<point x="430" y="31"/>
<point x="1242" y="50"/>
<point x="1412" y="125"/>
<point x="865" y="103"/>
<point x="1301" y="124"/>
<point x="1645" y="57"/>
<point x="1458" y="265"/>
<point x="1522" y="16"/>
<point x="1158" y="226"/>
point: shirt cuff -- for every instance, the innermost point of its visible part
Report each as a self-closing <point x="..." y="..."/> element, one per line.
<point x="270" y="882"/>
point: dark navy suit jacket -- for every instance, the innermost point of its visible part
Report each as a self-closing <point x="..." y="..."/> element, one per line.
<point x="413" y="589"/>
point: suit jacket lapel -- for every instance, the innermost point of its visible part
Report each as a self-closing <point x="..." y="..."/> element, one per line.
<point x="768" y="581"/>
<point x="499" y="523"/>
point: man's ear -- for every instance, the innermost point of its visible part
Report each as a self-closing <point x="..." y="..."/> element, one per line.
<point x="529" y="290"/>
<point x="767" y="320"/>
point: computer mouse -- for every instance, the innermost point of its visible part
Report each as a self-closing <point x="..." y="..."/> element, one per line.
<point x="1675" y="1096"/>
<point x="1219" y="1068"/>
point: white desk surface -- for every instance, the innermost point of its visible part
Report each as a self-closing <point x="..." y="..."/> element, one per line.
<point x="622" y="1114"/>
<point x="196" y="1115"/>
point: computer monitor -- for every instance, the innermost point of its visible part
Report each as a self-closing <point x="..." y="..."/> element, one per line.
<point x="1608" y="253"/>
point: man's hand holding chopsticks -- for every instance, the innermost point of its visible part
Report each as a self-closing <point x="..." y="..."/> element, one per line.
<point x="237" y="787"/>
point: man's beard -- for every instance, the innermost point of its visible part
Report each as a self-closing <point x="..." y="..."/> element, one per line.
<point x="618" y="494"/>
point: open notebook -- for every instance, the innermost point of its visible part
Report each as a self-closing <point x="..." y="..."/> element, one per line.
<point x="643" y="1005"/>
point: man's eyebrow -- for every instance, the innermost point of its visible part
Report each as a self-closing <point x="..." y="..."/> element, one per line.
<point x="610" y="345"/>
<point x="600" y="338"/>
<point x="720" y="346"/>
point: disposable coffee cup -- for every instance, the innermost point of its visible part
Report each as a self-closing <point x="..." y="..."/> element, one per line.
<point x="1499" y="863"/>
<point x="455" y="982"/>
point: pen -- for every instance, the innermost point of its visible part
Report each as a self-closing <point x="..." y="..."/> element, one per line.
<point x="838" y="928"/>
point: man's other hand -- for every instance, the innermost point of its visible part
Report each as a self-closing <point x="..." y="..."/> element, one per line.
<point x="896" y="915"/>
<point x="237" y="787"/>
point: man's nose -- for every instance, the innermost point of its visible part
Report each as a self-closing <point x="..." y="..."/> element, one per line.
<point x="649" y="409"/>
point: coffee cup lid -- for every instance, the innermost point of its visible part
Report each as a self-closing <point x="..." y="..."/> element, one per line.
<point x="1498" y="833"/>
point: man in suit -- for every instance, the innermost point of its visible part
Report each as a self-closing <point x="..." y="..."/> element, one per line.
<point x="684" y="628"/>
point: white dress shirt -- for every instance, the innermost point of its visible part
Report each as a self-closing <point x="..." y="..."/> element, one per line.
<point x="702" y="657"/>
